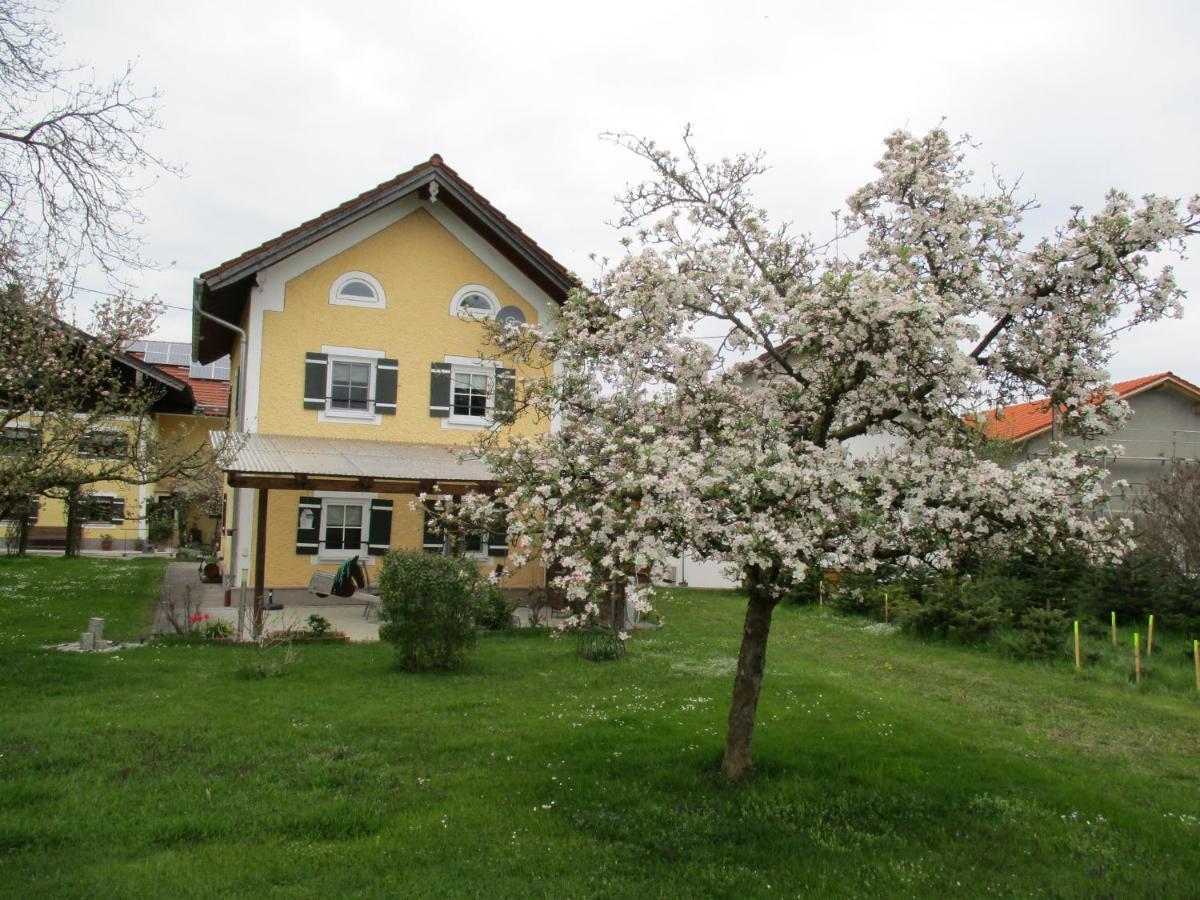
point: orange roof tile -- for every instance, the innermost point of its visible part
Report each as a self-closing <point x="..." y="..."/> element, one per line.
<point x="1025" y="420"/>
<point x="211" y="395"/>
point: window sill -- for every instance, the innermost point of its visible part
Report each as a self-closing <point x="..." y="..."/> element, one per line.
<point x="469" y="423"/>
<point x="325" y="415"/>
<point x="326" y="557"/>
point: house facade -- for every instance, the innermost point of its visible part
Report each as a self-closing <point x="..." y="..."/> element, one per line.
<point x="362" y="374"/>
<point x="1163" y="428"/>
<point x="116" y="511"/>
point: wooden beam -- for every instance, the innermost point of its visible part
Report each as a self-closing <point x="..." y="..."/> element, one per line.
<point x="332" y="483"/>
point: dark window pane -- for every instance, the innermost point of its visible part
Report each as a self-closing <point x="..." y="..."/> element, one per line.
<point x="349" y="385"/>
<point x="357" y="290"/>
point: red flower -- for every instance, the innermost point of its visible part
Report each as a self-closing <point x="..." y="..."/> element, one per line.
<point x="198" y="617"/>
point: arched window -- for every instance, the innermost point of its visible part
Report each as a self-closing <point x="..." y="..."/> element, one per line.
<point x="475" y="302"/>
<point x="510" y="315"/>
<point x="357" y="289"/>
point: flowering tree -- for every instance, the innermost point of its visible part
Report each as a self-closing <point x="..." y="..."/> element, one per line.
<point x="945" y="310"/>
<point x="580" y="497"/>
<point x="71" y="415"/>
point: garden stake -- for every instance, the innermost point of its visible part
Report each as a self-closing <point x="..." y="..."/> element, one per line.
<point x="886" y="609"/>
<point x="1114" y="627"/>
<point x="1150" y="638"/>
<point x="1196" y="659"/>
<point x="1137" y="659"/>
<point x="1078" y="657"/>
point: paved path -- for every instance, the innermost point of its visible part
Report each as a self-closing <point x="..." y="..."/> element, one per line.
<point x="184" y="577"/>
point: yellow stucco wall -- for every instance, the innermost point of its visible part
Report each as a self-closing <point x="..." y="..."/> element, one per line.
<point x="176" y="434"/>
<point x="420" y="266"/>
<point x="288" y="569"/>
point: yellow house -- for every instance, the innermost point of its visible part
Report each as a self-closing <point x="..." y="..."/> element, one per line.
<point x="360" y="372"/>
<point x="190" y="406"/>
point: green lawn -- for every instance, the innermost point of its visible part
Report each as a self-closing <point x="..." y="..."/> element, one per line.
<point x="886" y="766"/>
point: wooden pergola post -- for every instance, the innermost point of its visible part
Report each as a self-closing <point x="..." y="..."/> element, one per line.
<point x="260" y="563"/>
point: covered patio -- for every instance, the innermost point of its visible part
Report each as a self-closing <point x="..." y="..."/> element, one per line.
<point x="262" y="467"/>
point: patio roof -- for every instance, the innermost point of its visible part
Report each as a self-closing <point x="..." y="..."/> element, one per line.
<point x="295" y="462"/>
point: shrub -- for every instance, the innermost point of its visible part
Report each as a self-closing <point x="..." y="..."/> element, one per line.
<point x="1041" y="633"/>
<point x="428" y="608"/>
<point x="600" y="644"/>
<point x="495" y="609"/>
<point x="968" y="613"/>
<point x="318" y="625"/>
<point x="217" y="629"/>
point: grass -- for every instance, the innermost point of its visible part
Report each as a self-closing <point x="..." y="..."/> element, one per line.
<point x="886" y="766"/>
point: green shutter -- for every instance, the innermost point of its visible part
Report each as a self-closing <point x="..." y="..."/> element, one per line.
<point x="308" y="526"/>
<point x="434" y="540"/>
<point x="379" y="537"/>
<point x="316" y="368"/>
<point x="385" y="386"/>
<point x="506" y="389"/>
<point x="498" y="533"/>
<point x="439" y="390"/>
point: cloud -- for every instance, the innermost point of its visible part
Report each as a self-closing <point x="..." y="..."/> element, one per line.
<point x="279" y="111"/>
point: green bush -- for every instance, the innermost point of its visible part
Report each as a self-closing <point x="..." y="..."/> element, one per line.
<point x="318" y="625"/>
<point x="217" y="629"/>
<point x="428" y="608"/>
<point x="1040" y="633"/>
<point x="495" y="609"/>
<point x="969" y="612"/>
<point x="600" y="645"/>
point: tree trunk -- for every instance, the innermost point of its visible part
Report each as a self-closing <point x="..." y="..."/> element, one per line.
<point x="747" y="684"/>
<point x="23" y="534"/>
<point x="617" y="601"/>
<point x="74" y="526"/>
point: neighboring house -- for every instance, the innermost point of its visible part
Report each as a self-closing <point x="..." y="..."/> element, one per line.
<point x="1163" y="426"/>
<point x="115" y="508"/>
<point x="360" y="367"/>
<point x="209" y="386"/>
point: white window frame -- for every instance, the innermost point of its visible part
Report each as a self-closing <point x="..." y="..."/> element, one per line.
<point x="101" y="430"/>
<point x="481" y="555"/>
<point x="103" y="523"/>
<point x="471" y="366"/>
<point x="340" y="498"/>
<point x="350" y="416"/>
<point x="337" y="299"/>
<point x="486" y="293"/>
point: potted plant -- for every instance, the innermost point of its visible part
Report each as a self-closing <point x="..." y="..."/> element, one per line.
<point x="210" y="572"/>
<point x="106" y="542"/>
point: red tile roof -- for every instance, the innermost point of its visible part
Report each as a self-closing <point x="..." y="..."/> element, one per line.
<point x="212" y="396"/>
<point x="1025" y="420"/>
<point x="435" y="162"/>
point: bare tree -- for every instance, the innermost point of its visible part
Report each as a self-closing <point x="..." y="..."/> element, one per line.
<point x="1170" y="517"/>
<point x="73" y="156"/>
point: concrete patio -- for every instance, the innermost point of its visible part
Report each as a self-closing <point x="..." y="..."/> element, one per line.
<point x="343" y="615"/>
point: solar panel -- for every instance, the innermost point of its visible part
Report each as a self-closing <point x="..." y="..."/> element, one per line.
<point x="176" y="353"/>
<point x="215" y="371"/>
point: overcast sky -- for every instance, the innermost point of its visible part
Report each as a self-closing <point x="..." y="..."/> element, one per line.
<point x="278" y="111"/>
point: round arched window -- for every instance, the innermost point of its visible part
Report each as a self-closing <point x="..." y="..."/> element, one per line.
<point x="357" y="289"/>
<point x="510" y="315"/>
<point x="474" y="301"/>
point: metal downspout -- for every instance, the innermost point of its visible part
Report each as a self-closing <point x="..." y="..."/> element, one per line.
<point x="198" y="309"/>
